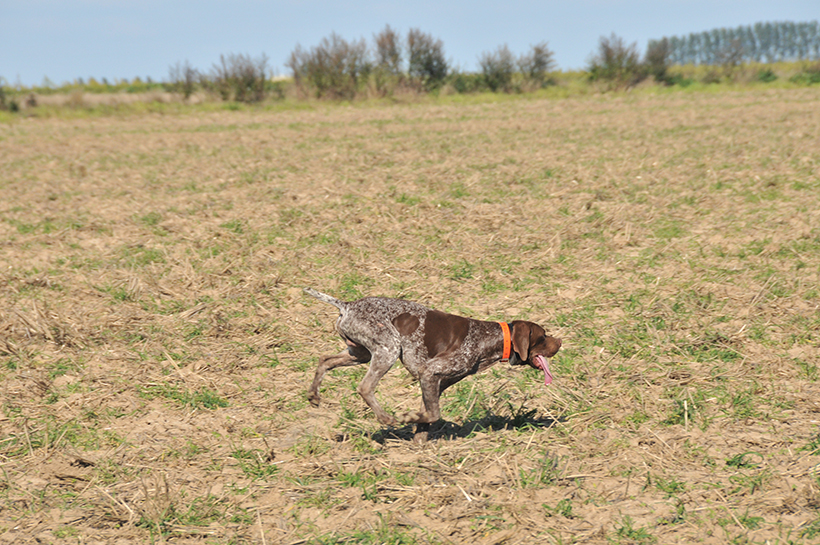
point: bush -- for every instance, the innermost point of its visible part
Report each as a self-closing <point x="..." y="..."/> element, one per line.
<point x="340" y="69"/>
<point x="498" y="69"/>
<point x="7" y="103"/>
<point x="276" y="89"/>
<point x="616" y="63"/>
<point x="388" y="51"/>
<point x="679" y="80"/>
<point x="427" y="66"/>
<point x="239" y="77"/>
<point x="388" y="70"/>
<point x="182" y="78"/>
<point x="730" y="57"/>
<point x="809" y="75"/>
<point x="335" y="68"/>
<point x="536" y="64"/>
<point x="464" y="82"/>
<point x="711" y="76"/>
<point x="766" y="76"/>
<point x="657" y="60"/>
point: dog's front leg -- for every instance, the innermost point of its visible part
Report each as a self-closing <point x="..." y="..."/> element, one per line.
<point x="430" y="411"/>
<point x="432" y="387"/>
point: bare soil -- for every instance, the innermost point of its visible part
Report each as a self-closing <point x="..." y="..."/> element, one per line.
<point x="155" y="343"/>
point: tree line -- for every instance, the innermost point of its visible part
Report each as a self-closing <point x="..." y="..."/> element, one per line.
<point x="336" y="68"/>
<point x="761" y="42"/>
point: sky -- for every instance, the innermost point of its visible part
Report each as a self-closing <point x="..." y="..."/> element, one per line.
<point x="67" y="39"/>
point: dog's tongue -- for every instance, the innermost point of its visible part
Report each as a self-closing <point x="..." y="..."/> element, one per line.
<point x="543" y="363"/>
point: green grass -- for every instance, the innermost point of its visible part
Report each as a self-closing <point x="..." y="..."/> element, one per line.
<point x="626" y="532"/>
<point x="383" y="534"/>
<point x="254" y="464"/>
<point x="562" y="508"/>
<point x="200" y="398"/>
<point x="670" y="487"/>
<point x="544" y="474"/>
<point x="749" y="459"/>
<point x="310" y="445"/>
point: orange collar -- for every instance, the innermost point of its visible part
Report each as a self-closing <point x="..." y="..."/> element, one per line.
<point x="505" y="329"/>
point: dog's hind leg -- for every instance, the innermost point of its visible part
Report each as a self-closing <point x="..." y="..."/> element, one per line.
<point x="354" y="355"/>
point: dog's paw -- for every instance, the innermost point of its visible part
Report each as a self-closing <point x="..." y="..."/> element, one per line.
<point x="387" y="420"/>
<point x="314" y="398"/>
<point x="408" y="418"/>
<point x="419" y="417"/>
<point x="420" y="437"/>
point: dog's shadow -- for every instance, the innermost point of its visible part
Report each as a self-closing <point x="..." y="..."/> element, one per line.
<point x="445" y="430"/>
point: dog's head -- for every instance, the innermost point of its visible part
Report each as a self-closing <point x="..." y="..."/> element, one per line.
<point x="533" y="346"/>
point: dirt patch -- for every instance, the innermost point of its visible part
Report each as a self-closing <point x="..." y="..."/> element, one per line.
<point x="155" y="343"/>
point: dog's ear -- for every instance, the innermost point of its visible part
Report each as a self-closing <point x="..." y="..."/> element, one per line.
<point x="521" y="339"/>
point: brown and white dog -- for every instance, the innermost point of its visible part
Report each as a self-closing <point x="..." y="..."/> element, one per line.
<point x="437" y="348"/>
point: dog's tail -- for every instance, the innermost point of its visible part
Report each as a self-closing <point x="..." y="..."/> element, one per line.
<point x="341" y="305"/>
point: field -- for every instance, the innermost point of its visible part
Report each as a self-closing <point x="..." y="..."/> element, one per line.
<point x="156" y="345"/>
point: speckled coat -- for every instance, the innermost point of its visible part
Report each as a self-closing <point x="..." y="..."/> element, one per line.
<point x="437" y="348"/>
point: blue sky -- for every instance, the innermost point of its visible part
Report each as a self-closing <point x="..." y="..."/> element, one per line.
<point x="67" y="39"/>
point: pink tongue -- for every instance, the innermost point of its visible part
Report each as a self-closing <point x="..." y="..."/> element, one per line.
<point x="542" y="362"/>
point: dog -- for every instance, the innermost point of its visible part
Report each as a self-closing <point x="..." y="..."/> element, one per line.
<point x="438" y="349"/>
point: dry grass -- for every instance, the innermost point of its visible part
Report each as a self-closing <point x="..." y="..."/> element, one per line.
<point x="155" y="344"/>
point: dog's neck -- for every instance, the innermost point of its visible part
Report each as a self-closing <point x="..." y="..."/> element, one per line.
<point x="507" y="349"/>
